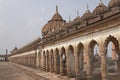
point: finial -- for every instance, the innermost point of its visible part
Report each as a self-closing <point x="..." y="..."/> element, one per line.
<point x="77" y="13"/>
<point x="56" y="8"/>
<point x="69" y="18"/>
<point x="87" y="7"/>
<point x="101" y="2"/>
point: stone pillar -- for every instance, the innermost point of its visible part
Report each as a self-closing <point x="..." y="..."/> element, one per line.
<point x="55" y="64"/>
<point x="44" y="62"/>
<point x="88" y="60"/>
<point x="103" y="66"/>
<point x="118" y="64"/>
<point x="76" y="65"/>
<point x="47" y="63"/>
<point x="37" y="58"/>
<point x="68" y="64"/>
<point x="61" y="66"/>
<point x="50" y="62"/>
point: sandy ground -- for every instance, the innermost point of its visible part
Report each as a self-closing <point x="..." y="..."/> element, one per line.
<point x="11" y="72"/>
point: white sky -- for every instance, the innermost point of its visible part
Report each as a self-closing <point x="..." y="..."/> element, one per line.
<point x="21" y="21"/>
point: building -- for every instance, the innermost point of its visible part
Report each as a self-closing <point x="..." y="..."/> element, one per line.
<point x="67" y="48"/>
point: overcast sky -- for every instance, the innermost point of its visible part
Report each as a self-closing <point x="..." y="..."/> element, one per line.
<point x="21" y="21"/>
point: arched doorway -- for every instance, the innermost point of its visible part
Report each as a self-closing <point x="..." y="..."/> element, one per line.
<point x="81" y="62"/>
<point x="63" y="62"/>
<point x="71" y="61"/>
<point x="52" y="61"/>
<point x="111" y="47"/>
<point x="57" y="56"/>
<point x="95" y="60"/>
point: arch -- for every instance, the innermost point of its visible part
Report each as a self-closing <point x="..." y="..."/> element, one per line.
<point x="80" y="45"/>
<point x="51" y="60"/>
<point x="71" y="59"/>
<point x="113" y="66"/>
<point x="63" y="50"/>
<point x="91" y="46"/>
<point x="57" y="56"/>
<point x="63" y="61"/>
<point x="115" y="42"/>
<point x="95" y="59"/>
<point x="80" y="55"/>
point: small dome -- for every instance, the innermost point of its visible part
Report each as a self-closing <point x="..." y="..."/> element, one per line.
<point x="54" y="24"/>
<point x="100" y="9"/>
<point x="57" y="16"/>
<point x="77" y="20"/>
<point x="87" y="15"/>
<point x="68" y="24"/>
<point x="114" y="3"/>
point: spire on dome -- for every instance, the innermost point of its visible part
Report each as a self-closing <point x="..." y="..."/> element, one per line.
<point x="69" y="18"/>
<point x="57" y="8"/>
<point x="101" y="3"/>
<point x="77" y="13"/>
<point x="87" y="9"/>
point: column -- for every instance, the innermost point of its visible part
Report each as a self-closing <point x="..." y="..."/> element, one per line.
<point x="88" y="60"/>
<point x="44" y="62"/>
<point x="118" y="63"/>
<point x="76" y="65"/>
<point x="50" y="62"/>
<point x="47" y="63"/>
<point x="55" y="64"/>
<point x="68" y="64"/>
<point x="37" y="58"/>
<point x="103" y="66"/>
<point x="61" y="66"/>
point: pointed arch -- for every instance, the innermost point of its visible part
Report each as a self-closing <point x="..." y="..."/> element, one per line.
<point x="63" y="61"/>
<point x="71" y="61"/>
<point x="95" y="58"/>
<point x="113" y="66"/>
<point x="114" y="41"/>
<point x="51" y="60"/>
<point x="80" y="55"/>
<point x="57" y="56"/>
<point x="80" y="46"/>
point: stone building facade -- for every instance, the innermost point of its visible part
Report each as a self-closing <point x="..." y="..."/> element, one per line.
<point x="27" y="55"/>
<point x="67" y="48"/>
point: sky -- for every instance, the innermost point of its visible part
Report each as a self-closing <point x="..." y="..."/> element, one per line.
<point x="21" y="21"/>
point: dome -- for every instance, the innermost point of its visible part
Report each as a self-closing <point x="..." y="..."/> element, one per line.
<point x="114" y="3"/>
<point x="100" y="9"/>
<point x="87" y="15"/>
<point x="77" y="20"/>
<point x="54" y="24"/>
<point x="57" y="16"/>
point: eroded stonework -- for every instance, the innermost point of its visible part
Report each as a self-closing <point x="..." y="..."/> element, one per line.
<point x="67" y="48"/>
